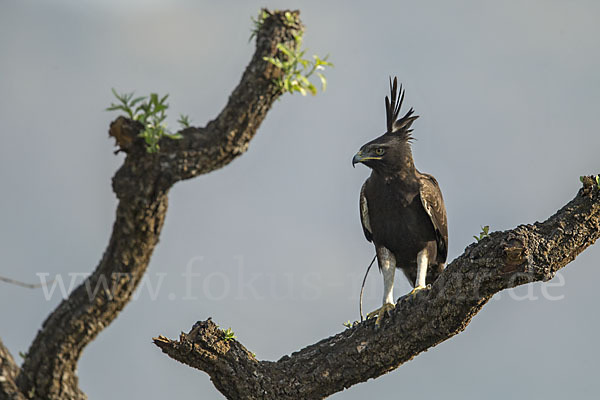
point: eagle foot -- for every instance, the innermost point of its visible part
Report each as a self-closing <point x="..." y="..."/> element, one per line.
<point x="416" y="289"/>
<point x="413" y="293"/>
<point x="380" y="312"/>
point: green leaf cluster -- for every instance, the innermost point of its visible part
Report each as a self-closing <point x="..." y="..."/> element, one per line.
<point x="289" y="18"/>
<point x="582" y="178"/>
<point x="349" y="324"/>
<point x="257" y="23"/>
<point x="228" y="335"/>
<point x="485" y="231"/>
<point x="184" y="121"/>
<point x="151" y="112"/>
<point x="296" y="69"/>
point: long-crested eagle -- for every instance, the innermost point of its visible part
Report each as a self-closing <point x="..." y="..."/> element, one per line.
<point x="401" y="209"/>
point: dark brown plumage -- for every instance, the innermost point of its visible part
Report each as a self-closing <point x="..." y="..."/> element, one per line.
<point x="402" y="210"/>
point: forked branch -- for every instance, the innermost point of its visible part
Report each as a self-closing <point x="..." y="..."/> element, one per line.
<point x="142" y="185"/>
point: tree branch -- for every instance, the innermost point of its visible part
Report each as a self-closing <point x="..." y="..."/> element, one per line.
<point x="500" y="261"/>
<point x="206" y="149"/>
<point x="142" y="185"/>
<point x="8" y="373"/>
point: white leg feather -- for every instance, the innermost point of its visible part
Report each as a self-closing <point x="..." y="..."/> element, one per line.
<point x="422" y="263"/>
<point x="387" y="262"/>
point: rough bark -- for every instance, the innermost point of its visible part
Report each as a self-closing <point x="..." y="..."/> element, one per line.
<point x="505" y="259"/>
<point x="8" y="374"/>
<point x="49" y="368"/>
<point x="500" y="261"/>
<point x="142" y="185"/>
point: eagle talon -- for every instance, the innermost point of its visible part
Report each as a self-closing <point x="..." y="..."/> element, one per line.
<point x="380" y="312"/>
<point x="412" y="294"/>
<point x="417" y="289"/>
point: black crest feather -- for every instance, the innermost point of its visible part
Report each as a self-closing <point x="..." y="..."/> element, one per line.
<point x="392" y="108"/>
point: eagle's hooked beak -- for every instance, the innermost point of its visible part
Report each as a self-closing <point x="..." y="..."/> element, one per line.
<point x="356" y="159"/>
<point x="360" y="157"/>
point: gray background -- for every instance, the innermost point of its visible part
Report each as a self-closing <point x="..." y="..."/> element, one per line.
<point x="508" y="97"/>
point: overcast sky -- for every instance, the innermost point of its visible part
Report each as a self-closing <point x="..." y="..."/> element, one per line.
<point x="508" y="98"/>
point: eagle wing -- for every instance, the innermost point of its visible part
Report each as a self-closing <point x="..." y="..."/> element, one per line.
<point x="433" y="203"/>
<point x="364" y="213"/>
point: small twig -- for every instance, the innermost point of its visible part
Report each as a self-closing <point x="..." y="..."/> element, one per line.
<point x="23" y="284"/>
<point x="362" y="288"/>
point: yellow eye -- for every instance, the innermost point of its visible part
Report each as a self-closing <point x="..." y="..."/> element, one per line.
<point x="379" y="151"/>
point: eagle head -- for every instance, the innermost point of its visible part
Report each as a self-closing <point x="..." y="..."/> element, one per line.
<point x="391" y="151"/>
